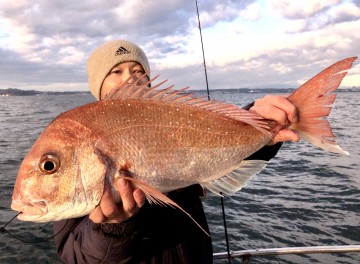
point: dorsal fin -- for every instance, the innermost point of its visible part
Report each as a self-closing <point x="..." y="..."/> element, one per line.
<point x="180" y="97"/>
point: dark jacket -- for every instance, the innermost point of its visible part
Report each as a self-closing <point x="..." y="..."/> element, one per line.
<point x="155" y="235"/>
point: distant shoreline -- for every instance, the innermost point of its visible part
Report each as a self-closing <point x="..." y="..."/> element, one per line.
<point x="19" y="92"/>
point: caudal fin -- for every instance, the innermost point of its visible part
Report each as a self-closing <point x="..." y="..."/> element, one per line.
<point x="313" y="100"/>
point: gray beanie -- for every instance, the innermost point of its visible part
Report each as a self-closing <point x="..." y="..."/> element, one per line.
<point x="108" y="55"/>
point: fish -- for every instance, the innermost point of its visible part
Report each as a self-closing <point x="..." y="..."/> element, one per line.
<point x="160" y="139"/>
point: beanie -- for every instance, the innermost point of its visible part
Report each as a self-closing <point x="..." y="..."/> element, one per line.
<point x="108" y="55"/>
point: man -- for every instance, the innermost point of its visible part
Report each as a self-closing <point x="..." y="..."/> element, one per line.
<point x="133" y="231"/>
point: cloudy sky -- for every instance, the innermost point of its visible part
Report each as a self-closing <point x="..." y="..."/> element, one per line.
<point x="44" y="44"/>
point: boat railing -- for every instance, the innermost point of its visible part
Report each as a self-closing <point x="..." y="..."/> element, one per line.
<point x="247" y="254"/>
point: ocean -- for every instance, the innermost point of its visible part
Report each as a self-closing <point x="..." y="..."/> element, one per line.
<point x="304" y="197"/>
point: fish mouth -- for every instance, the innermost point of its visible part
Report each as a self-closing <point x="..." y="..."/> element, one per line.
<point x="29" y="211"/>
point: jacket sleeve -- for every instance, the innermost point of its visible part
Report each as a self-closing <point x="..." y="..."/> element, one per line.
<point x="82" y="241"/>
<point x="265" y="153"/>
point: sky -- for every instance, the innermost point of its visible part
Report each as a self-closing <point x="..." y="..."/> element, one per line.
<point x="44" y="45"/>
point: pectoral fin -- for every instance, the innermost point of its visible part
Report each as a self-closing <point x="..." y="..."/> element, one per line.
<point x="155" y="197"/>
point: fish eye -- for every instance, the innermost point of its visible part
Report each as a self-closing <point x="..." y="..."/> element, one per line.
<point x="49" y="164"/>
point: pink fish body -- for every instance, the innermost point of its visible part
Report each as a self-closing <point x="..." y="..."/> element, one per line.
<point x="161" y="140"/>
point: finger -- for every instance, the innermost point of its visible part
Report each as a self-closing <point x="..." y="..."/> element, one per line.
<point x="108" y="206"/>
<point x="127" y="197"/>
<point x="285" y="135"/>
<point x="97" y="216"/>
<point x="139" y="197"/>
<point x="271" y="112"/>
<point x="281" y="103"/>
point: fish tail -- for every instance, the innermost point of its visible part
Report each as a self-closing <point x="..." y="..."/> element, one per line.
<point x="313" y="100"/>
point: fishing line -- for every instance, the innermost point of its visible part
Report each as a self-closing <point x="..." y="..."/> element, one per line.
<point x="208" y="93"/>
<point x="2" y="228"/>
<point x="35" y="238"/>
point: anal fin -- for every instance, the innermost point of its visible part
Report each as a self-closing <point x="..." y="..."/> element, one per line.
<point x="237" y="179"/>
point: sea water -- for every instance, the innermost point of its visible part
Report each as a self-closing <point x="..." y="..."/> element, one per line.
<point x="304" y="197"/>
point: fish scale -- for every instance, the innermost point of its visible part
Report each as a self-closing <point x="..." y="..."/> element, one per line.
<point x="168" y="141"/>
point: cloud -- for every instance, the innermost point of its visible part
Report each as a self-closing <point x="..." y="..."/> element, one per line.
<point x="312" y="15"/>
<point x="45" y="44"/>
<point x="301" y="9"/>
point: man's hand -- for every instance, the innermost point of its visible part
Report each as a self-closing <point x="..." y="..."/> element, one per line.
<point x="279" y="109"/>
<point x="110" y="212"/>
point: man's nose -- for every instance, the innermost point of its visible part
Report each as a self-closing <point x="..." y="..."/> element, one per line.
<point x="130" y="77"/>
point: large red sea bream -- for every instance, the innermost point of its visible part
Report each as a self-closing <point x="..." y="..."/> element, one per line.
<point x="160" y="140"/>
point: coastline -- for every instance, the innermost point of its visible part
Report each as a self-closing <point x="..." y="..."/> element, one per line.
<point x="20" y="92"/>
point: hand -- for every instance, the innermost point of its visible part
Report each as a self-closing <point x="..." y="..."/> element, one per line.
<point x="279" y="109"/>
<point x="110" y="212"/>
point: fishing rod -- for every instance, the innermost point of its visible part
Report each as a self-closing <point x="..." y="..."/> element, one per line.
<point x="208" y="93"/>
<point x="203" y="52"/>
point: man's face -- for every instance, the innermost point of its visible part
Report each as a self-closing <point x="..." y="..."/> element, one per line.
<point x="120" y="73"/>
